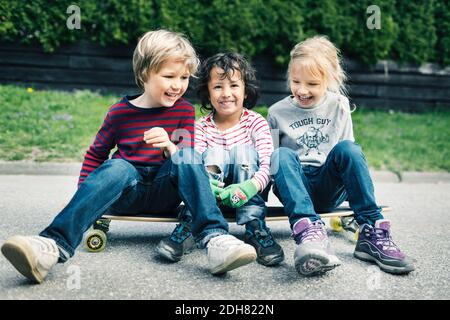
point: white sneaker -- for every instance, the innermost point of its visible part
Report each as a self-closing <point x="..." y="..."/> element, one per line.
<point x="226" y="253"/>
<point x="32" y="256"/>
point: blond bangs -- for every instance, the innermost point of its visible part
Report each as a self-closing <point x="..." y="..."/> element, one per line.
<point x="322" y="60"/>
<point x="313" y="67"/>
<point x="156" y="47"/>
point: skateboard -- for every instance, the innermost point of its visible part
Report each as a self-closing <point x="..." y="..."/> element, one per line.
<point x="341" y="219"/>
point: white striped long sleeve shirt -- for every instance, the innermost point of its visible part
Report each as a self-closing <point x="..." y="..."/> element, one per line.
<point x="252" y="129"/>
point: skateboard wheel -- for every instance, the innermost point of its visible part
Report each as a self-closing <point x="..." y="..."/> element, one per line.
<point x="95" y="240"/>
<point x="335" y="224"/>
<point x="356" y="235"/>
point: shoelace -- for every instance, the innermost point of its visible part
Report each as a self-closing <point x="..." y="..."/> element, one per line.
<point x="225" y="241"/>
<point x="44" y="246"/>
<point x="181" y="232"/>
<point x="313" y="232"/>
<point x="383" y="237"/>
<point x="264" y="237"/>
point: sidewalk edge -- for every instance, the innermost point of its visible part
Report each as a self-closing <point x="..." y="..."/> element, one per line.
<point x="73" y="169"/>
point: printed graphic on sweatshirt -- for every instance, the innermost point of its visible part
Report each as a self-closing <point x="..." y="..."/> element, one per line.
<point x="313" y="137"/>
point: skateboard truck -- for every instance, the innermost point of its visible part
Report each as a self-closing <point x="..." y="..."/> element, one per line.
<point x="339" y="224"/>
<point x="349" y="224"/>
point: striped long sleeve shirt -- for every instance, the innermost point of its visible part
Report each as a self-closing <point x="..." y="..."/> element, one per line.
<point x="124" y="127"/>
<point x="252" y="129"/>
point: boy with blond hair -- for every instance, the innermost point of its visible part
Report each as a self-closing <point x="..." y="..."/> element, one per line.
<point x="153" y="169"/>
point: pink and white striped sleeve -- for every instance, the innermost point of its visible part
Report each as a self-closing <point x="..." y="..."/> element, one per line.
<point x="262" y="138"/>
<point x="200" y="143"/>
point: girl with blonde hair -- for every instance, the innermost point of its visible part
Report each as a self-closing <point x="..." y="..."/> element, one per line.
<point x="319" y="165"/>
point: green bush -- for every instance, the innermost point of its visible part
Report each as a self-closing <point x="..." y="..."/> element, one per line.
<point x="410" y="31"/>
<point x="115" y="20"/>
<point x="250" y="27"/>
<point x="370" y="45"/>
<point x="417" y="33"/>
<point x="442" y="23"/>
<point x="31" y="21"/>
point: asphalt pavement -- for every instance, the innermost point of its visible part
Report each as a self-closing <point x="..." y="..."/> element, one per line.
<point x="130" y="269"/>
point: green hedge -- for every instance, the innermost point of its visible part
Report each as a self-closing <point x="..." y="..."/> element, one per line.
<point x="442" y="23"/>
<point x="409" y="32"/>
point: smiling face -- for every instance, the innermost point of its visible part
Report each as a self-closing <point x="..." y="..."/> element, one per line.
<point x="165" y="86"/>
<point x="226" y="92"/>
<point x="307" y="87"/>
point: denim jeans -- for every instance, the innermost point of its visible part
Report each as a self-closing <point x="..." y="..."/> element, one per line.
<point x="121" y="188"/>
<point x="306" y="190"/>
<point x="236" y="165"/>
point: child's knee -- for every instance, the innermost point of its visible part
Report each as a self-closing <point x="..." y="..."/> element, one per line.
<point x="282" y="157"/>
<point x="244" y="154"/>
<point x="213" y="169"/>
<point x="216" y="156"/>
<point x="119" y="169"/>
<point x="186" y="156"/>
<point x="283" y="153"/>
<point x="113" y="173"/>
<point x="348" y="148"/>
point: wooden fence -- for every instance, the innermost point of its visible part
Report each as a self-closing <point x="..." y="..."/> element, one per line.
<point x="109" y="69"/>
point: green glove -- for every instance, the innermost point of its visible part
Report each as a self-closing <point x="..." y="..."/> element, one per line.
<point x="216" y="186"/>
<point x="236" y="195"/>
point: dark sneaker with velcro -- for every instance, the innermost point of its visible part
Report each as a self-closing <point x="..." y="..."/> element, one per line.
<point x="180" y="242"/>
<point x="269" y="253"/>
<point x="375" y="244"/>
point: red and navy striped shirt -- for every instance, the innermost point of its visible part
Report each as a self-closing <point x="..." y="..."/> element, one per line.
<point x="124" y="127"/>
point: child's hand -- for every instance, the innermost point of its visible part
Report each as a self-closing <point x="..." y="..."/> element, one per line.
<point x="159" y="138"/>
<point x="216" y="186"/>
<point x="236" y="195"/>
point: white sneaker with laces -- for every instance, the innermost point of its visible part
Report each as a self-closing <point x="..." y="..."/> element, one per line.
<point x="226" y="252"/>
<point x="32" y="256"/>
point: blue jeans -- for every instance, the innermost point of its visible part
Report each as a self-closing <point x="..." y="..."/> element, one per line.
<point x="306" y="190"/>
<point x="119" y="187"/>
<point x="238" y="164"/>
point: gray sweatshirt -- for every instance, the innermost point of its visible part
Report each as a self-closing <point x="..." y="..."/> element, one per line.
<point x="311" y="132"/>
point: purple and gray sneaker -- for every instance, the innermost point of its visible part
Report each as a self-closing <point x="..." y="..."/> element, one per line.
<point x="375" y="245"/>
<point x="313" y="255"/>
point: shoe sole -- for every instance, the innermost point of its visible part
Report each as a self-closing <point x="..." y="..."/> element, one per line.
<point x="235" y="261"/>
<point x="386" y="268"/>
<point x="314" y="265"/>
<point x="267" y="261"/>
<point x="273" y="261"/>
<point x="166" y="252"/>
<point x="21" y="258"/>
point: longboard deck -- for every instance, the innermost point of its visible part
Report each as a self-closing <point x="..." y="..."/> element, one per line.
<point x="95" y="239"/>
<point x="273" y="214"/>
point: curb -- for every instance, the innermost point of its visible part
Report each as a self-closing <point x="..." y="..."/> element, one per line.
<point x="425" y="177"/>
<point x="39" y="168"/>
<point x="73" y="169"/>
